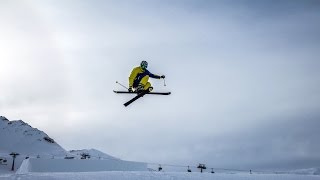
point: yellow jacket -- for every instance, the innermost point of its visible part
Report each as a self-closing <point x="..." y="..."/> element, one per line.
<point x="137" y="74"/>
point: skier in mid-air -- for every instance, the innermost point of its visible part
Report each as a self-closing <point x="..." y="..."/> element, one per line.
<point x="139" y="77"/>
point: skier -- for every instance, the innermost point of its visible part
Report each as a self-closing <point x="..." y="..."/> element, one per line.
<point x="139" y="78"/>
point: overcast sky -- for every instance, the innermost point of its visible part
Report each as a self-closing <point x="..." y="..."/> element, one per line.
<point x="244" y="77"/>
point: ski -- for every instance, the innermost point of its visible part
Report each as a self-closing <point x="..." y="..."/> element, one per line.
<point x="155" y="93"/>
<point x="136" y="97"/>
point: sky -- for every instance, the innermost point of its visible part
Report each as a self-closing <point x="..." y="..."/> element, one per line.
<point x="244" y="77"/>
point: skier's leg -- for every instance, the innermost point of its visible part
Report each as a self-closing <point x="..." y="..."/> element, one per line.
<point x="148" y="86"/>
<point x="145" y="83"/>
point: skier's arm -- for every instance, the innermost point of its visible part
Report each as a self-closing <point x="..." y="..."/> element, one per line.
<point x="132" y="76"/>
<point x="154" y="75"/>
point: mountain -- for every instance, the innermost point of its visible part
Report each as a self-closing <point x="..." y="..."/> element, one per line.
<point x="18" y="136"/>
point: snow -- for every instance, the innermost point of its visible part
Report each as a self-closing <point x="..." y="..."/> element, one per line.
<point x="78" y="165"/>
<point x="310" y="171"/>
<point x="24" y="168"/>
<point x="45" y="159"/>
<point x="18" y="136"/>
<point x="127" y="175"/>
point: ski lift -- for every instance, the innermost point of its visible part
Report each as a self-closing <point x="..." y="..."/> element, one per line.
<point x="160" y="168"/>
<point x="189" y="170"/>
<point x="202" y="167"/>
<point x="14" y="155"/>
<point x="3" y="161"/>
<point x="212" y="171"/>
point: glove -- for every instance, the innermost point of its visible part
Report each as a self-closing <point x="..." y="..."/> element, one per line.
<point x="130" y="89"/>
<point x="163" y="76"/>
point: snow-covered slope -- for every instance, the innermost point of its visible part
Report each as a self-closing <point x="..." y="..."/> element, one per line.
<point x="131" y="175"/>
<point x="18" y="136"/>
<point x="92" y="154"/>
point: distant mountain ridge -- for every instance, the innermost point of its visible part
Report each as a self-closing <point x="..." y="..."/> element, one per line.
<point x="92" y="154"/>
<point x="309" y="171"/>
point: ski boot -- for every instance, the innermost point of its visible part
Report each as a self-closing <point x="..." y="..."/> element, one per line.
<point x="150" y="88"/>
<point x="140" y="88"/>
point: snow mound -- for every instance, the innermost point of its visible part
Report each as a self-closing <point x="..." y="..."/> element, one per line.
<point x="78" y="165"/>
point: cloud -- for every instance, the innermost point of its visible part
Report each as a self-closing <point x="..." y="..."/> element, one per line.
<point x="267" y="146"/>
<point x="236" y="70"/>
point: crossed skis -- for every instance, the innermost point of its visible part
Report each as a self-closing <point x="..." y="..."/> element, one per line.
<point x="139" y="95"/>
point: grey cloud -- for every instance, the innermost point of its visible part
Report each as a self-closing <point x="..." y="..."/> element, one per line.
<point x="243" y="75"/>
<point x="290" y="141"/>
